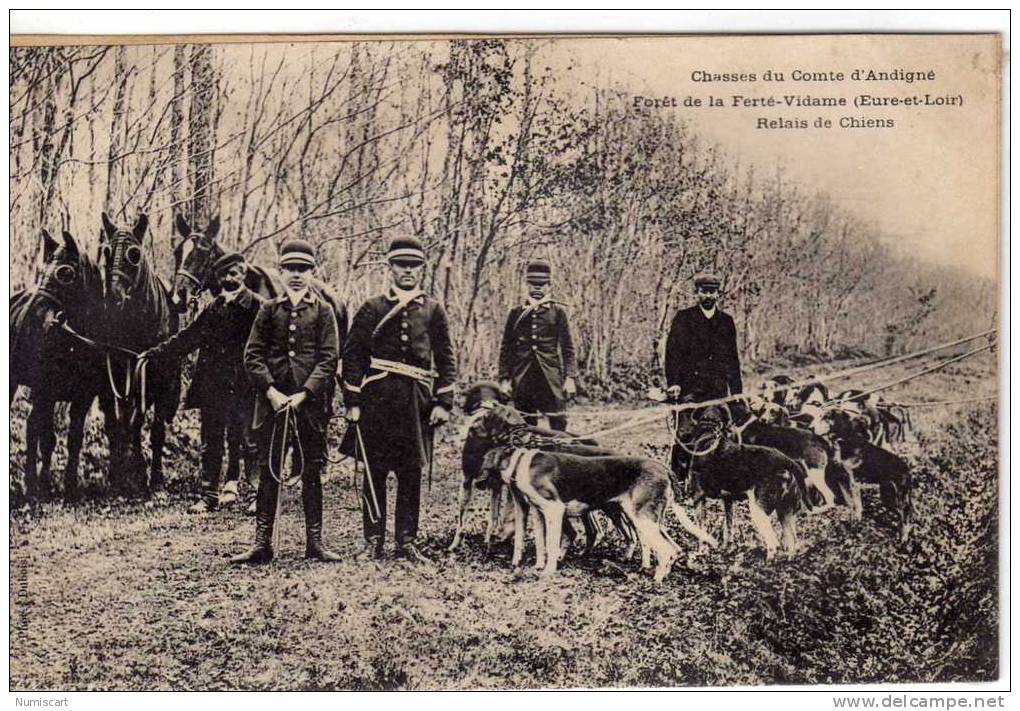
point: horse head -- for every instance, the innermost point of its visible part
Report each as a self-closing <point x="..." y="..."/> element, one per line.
<point x="123" y="258"/>
<point x="67" y="276"/>
<point x="194" y="256"/>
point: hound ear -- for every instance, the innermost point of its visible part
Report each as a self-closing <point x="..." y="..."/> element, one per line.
<point x="49" y="245"/>
<point x="141" y="226"/>
<point x="214" y="228"/>
<point x="69" y="243"/>
<point x="182" y="226"/>
<point x="108" y="226"/>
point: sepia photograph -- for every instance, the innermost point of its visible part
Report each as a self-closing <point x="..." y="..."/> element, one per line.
<point x="504" y="362"/>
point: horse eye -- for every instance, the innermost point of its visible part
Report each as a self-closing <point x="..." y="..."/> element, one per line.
<point x="65" y="274"/>
<point x="133" y="255"/>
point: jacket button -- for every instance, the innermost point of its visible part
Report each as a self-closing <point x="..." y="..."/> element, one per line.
<point x="290" y="353"/>
<point x="403" y="324"/>
<point x="293" y="327"/>
<point x="403" y="336"/>
<point x="534" y="348"/>
<point x="293" y="314"/>
<point x="290" y="340"/>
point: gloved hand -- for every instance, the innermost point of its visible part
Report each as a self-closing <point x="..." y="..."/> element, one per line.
<point x="673" y="392"/>
<point x="569" y="388"/>
<point x="296" y="400"/>
<point x="277" y="400"/>
<point x="440" y="416"/>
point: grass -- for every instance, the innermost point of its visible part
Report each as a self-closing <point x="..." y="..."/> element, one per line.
<point x="138" y="595"/>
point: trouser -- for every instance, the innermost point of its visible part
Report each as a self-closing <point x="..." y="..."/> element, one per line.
<point x="231" y="421"/>
<point x="532" y="394"/>
<point x="556" y="422"/>
<point x="308" y="459"/>
<point x="241" y="445"/>
<point x="373" y="503"/>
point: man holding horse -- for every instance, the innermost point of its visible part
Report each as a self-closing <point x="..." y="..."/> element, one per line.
<point x="219" y="389"/>
<point x="291" y="358"/>
<point x="398" y="379"/>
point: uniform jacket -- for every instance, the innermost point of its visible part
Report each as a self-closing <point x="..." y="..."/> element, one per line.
<point x="701" y="354"/>
<point x="418" y="335"/>
<point x="293" y="348"/>
<point x="220" y="331"/>
<point x="538" y="338"/>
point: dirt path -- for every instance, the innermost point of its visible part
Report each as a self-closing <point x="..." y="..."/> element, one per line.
<point x="115" y="596"/>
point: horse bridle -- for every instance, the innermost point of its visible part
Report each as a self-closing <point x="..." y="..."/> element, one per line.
<point x="119" y="250"/>
<point x="196" y="239"/>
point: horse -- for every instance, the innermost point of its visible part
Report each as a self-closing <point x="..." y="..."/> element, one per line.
<point x="140" y="315"/>
<point x="194" y="255"/>
<point x="49" y="325"/>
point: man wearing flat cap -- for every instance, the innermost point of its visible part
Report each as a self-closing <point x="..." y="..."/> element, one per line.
<point x="398" y="380"/>
<point x="536" y="357"/>
<point x="291" y="358"/>
<point x="219" y="388"/>
<point x="701" y="353"/>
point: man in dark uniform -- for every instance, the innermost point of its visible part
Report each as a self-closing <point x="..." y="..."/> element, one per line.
<point x="219" y="388"/>
<point x="701" y="354"/>
<point x="398" y="378"/>
<point x="536" y="358"/>
<point x="291" y="358"/>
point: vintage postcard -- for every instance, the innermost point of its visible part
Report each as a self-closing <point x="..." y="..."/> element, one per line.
<point x="525" y="362"/>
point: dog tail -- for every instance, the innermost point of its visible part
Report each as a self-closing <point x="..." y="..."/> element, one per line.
<point x="692" y="528"/>
<point x="682" y="517"/>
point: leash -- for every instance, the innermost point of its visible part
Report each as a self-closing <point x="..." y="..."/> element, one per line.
<point x="432" y="453"/>
<point x="99" y="345"/>
<point x="717" y="438"/>
<point x="290" y="429"/>
<point x="933" y="403"/>
<point x="646" y="415"/>
<point x="911" y="376"/>
<point x="290" y="422"/>
<point x="373" y="514"/>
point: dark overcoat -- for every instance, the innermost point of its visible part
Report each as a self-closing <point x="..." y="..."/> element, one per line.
<point x="395" y="408"/>
<point x="701" y="355"/>
<point x="293" y="348"/>
<point x="219" y="332"/>
<point x="536" y="341"/>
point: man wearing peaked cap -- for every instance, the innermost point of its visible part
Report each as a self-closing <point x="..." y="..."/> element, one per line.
<point x="701" y="353"/>
<point x="219" y="389"/>
<point x="291" y="358"/>
<point x="536" y="357"/>
<point x="398" y="379"/>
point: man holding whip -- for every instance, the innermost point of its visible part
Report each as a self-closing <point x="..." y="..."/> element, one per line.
<point x="291" y="358"/>
<point x="398" y="379"/>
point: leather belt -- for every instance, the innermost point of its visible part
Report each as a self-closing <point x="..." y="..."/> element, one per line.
<point x="421" y="375"/>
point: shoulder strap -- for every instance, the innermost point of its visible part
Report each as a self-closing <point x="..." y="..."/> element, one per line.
<point x="402" y="301"/>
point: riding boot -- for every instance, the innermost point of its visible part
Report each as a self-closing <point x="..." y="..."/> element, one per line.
<point x="311" y="495"/>
<point x="249" y="486"/>
<point x="265" y="516"/>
